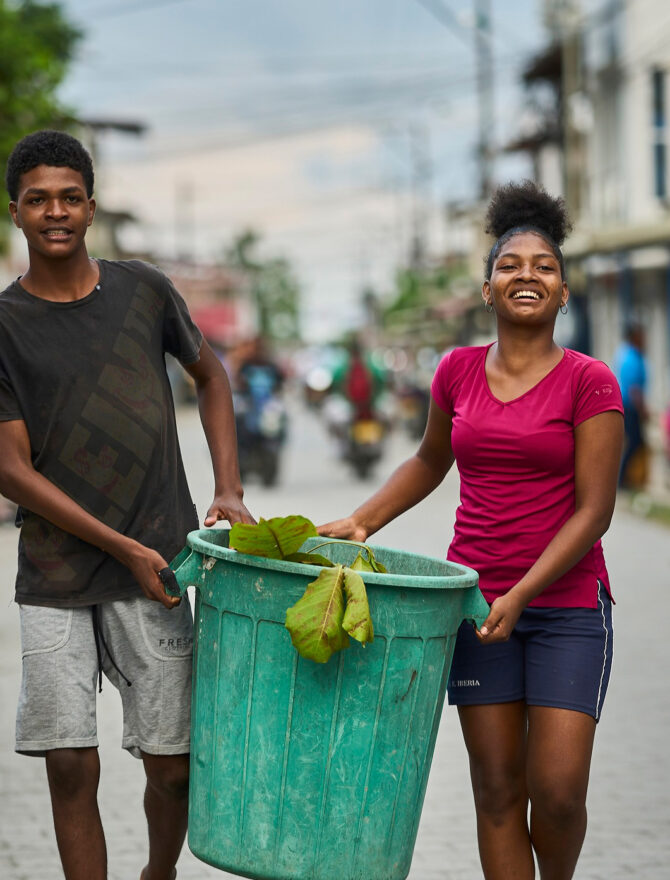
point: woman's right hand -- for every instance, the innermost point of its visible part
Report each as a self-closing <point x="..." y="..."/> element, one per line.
<point x="347" y="529"/>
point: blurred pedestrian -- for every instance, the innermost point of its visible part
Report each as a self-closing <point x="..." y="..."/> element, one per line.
<point x="536" y="431"/>
<point x="631" y="370"/>
<point x="89" y="452"/>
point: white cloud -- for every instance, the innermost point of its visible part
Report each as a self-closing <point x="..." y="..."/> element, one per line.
<point x="316" y="198"/>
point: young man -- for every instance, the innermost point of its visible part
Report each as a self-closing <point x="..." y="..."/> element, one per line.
<point x="89" y="452"/>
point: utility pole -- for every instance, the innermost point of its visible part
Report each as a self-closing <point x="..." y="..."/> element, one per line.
<point x="486" y="128"/>
<point x="484" y="65"/>
<point x="184" y="221"/>
<point x="421" y="192"/>
<point x="571" y="88"/>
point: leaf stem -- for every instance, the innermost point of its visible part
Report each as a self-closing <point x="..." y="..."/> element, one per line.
<point x="340" y="541"/>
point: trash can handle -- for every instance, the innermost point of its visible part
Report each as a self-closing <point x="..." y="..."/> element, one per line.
<point x="180" y="574"/>
<point x="476" y="621"/>
<point x="170" y="582"/>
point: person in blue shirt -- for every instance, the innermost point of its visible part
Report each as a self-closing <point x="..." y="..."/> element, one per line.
<point x="631" y="371"/>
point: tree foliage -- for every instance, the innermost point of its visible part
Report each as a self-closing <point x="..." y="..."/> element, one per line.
<point x="36" y="45"/>
<point x="415" y="288"/>
<point x="335" y="605"/>
<point x="274" y="287"/>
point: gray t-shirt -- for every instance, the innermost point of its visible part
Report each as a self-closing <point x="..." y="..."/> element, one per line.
<point x="89" y="380"/>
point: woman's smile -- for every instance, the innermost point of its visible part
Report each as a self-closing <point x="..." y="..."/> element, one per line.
<point x="526" y="279"/>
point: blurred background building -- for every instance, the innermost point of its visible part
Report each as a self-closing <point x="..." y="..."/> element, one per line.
<point x="315" y="172"/>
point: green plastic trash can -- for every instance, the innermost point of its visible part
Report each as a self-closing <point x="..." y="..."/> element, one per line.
<point x="306" y="771"/>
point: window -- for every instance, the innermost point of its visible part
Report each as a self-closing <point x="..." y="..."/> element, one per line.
<point x="660" y="131"/>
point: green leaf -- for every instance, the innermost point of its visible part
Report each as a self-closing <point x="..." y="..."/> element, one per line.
<point x="315" y="621"/>
<point x="311" y="559"/>
<point x="374" y="562"/>
<point x="360" y="563"/>
<point x="357" y="620"/>
<point x="274" y="538"/>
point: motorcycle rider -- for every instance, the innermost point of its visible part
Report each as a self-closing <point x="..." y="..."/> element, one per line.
<point x="255" y="359"/>
<point x="361" y="434"/>
<point x="260" y="413"/>
<point x="359" y="382"/>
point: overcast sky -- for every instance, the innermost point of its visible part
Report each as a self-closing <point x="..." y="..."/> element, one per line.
<point x="301" y="118"/>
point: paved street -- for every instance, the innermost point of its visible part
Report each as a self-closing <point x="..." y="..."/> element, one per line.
<point x="629" y="802"/>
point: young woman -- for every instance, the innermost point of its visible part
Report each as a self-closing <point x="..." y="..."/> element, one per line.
<point x="536" y="431"/>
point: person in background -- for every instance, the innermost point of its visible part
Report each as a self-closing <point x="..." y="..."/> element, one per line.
<point x="665" y="432"/>
<point x="254" y="358"/>
<point x="536" y="431"/>
<point x="359" y="381"/>
<point x="89" y="451"/>
<point x="631" y="370"/>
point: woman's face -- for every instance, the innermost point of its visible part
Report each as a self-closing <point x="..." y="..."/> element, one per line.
<point x="526" y="284"/>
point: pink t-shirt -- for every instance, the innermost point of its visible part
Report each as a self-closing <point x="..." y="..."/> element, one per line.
<point x="516" y="464"/>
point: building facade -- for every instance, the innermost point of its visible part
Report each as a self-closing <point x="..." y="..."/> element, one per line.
<point x="598" y="100"/>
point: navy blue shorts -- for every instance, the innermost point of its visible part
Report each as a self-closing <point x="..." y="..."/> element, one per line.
<point x="557" y="657"/>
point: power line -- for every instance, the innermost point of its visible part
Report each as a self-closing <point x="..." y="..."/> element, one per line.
<point x="449" y="19"/>
<point x="311" y="114"/>
<point x="116" y="10"/>
<point x="343" y="95"/>
<point x="324" y="67"/>
<point x="302" y="117"/>
<point x="446" y="17"/>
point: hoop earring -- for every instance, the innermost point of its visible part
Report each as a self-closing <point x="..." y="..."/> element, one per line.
<point x="488" y="306"/>
<point x="564" y="309"/>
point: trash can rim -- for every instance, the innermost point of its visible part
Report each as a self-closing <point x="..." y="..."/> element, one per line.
<point x="463" y="577"/>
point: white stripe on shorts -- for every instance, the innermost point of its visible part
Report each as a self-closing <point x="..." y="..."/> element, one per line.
<point x="602" y="673"/>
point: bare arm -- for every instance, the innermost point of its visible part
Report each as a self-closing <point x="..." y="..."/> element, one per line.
<point x="215" y="404"/>
<point x="20" y="482"/>
<point x="598" y="445"/>
<point x="409" y="484"/>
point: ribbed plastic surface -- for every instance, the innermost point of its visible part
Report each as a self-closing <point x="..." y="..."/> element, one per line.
<point x="306" y="771"/>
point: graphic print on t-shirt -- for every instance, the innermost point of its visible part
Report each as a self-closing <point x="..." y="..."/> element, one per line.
<point x="89" y="380"/>
<point x="105" y="436"/>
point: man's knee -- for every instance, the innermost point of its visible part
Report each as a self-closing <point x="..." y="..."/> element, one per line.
<point x="73" y="772"/>
<point x="168" y="775"/>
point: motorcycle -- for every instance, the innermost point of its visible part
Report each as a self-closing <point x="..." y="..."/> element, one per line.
<point x="413" y="405"/>
<point x="261" y="422"/>
<point x="364" y="443"/>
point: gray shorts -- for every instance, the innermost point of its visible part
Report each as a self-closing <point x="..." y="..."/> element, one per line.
<point x="131" y="640"/>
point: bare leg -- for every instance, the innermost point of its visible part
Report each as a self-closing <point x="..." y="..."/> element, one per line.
<point x="166" y="808"/>
<point x="560" y="743"/>
<point x="73" y="776"/>
<point x="495" y="737"/>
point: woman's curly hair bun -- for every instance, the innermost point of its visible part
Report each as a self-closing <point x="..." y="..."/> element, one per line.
<point x="527" y="204"/>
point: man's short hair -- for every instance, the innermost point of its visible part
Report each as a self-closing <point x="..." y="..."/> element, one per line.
<point x="47" y="147"/>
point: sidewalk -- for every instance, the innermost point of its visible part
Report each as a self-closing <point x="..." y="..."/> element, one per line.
<point x="629" y="805"/>
<point x="27" y="844"/>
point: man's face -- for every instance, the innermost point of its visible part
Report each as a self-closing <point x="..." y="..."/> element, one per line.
<point x="53" y="210"/>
